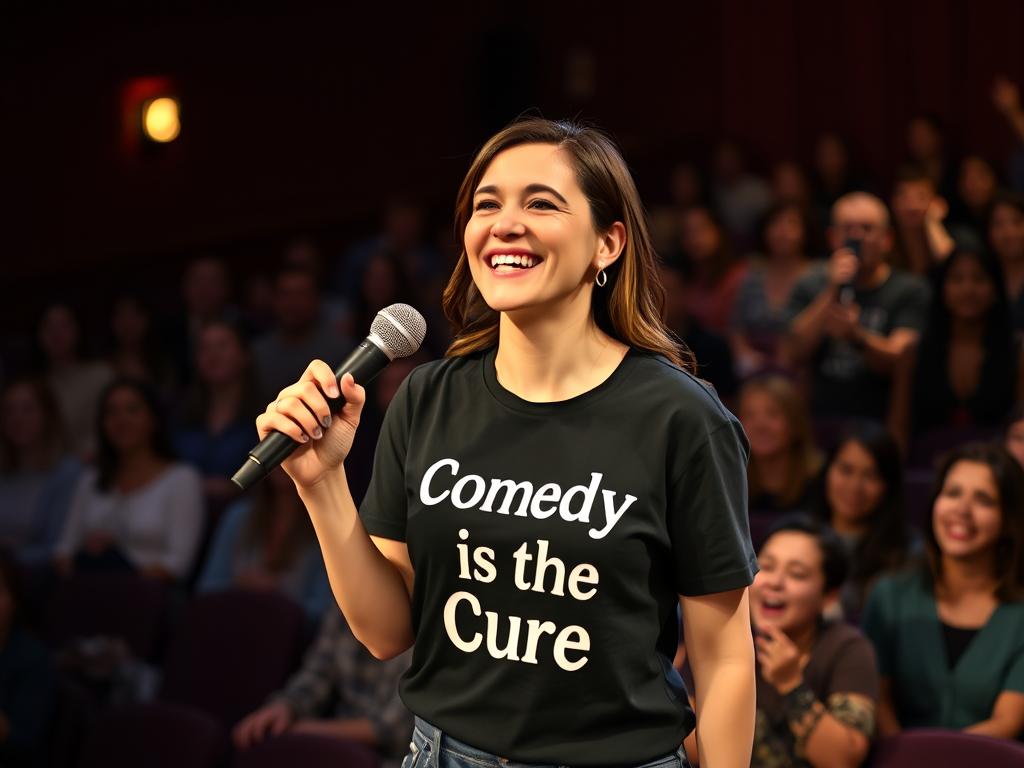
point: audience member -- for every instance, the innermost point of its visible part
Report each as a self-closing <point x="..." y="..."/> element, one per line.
<point x="215" y="430"/>
<point x="861" y="498"/>
<point x="1006" y="238"/>
<point x="926" y="147"/>
<point x="783" y="457"/>
<point x="206" y="295"/>
<point x="740" y="197"/>
<point x="817" y="680"/>
<point x="950" y="635"/>
<point x="27" y="681"/>
<point x="854" y="316"/>
<point x="266" y="542"/>
<point x="300" y="335"/>
<point x="967" y="368"/>
<point x="136" y="351"/>
<point x="760" y="318"/>
<point x="833" y="174"/>
<point x="976" y="189"/>
<point x="1006" y="98"/>
<point x="1013" y="437"/>
<point x="37" y="474"/>
<point x="76" y="383"/>
<point x="713" y="275"/>
<point x="137" y="510"/>
<point x="921" y="241"/>
<point x="341" y="691"/>
<point x="714" y="357"/>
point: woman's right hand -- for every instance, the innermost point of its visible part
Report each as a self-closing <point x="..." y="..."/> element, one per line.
<point x="304" y="413"/>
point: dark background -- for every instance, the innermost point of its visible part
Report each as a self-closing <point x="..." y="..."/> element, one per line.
<point x="306" y="120"/>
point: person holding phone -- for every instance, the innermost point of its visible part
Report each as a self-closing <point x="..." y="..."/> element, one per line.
<point x="853" y="316"/>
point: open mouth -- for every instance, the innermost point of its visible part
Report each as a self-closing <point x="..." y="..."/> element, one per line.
<point x="773" y="607"/>
<point x="959" y="532"/>
<point x="503" y="263"/>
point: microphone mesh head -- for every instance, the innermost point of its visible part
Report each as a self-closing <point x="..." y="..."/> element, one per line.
<point x="401" y="328"/>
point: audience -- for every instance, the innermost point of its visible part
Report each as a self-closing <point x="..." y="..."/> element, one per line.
<point x="341" y="691"/>
<point x="266" y="542"/>
<point x="1006" y="238"/>
<point x="760" y="318"/>
<point x="216" y="427"/>
<point x="740" y="197"/>
<point x="854" y="316"/>
<point x="136" y="350"/>
<point x="138" y="509"/>
<point x="783" y="457"/>
<point x="712" y="274"/>
<point x="1013" y="438"/>
<point x="75" y="382"/>
<point x="976" y="188"/>
<point x="920" y="239"/>
<point x="861" y="499"/>
<point x="967" y="369"/>
<point x="37" y="473"/>
<point x="950" y="635"/>
<point x="817" y="681"/>
<point x="206" y="296"/>
<point x="27" y="681"/>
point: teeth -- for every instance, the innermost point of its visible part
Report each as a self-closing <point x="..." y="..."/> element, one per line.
<point x="516" y="259"/>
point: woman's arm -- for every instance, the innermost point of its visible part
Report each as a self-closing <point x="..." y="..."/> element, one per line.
<point x="888" y="722"/>
<point x="1007" y="720"/>
<point x="831" y="741"/>
<point x="721" y="652"/>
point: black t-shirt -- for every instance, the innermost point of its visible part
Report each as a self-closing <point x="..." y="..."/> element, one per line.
<point x="844" y="385"/>
<point x="624" y="496"/>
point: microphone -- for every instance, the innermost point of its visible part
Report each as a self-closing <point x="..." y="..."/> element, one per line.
<point x="396" y="331"/>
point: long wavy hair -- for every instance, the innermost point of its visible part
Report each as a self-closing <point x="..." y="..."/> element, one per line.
<point x="629" y="307"/>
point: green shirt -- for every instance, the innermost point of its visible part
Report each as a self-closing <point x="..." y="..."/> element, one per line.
<point x="902" y="621"/>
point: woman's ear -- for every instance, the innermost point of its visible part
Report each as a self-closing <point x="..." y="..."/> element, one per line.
<point x="610" y="245"/>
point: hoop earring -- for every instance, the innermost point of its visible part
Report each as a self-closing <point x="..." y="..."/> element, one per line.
<point x="602" y="278"/>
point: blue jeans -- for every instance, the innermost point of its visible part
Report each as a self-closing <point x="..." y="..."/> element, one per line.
<point x="432" y="748"/>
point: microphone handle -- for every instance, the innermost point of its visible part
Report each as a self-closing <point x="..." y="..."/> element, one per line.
<point x="364" y="363"/>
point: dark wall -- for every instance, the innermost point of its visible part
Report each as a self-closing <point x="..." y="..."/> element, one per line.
<point x="309" y="119"/>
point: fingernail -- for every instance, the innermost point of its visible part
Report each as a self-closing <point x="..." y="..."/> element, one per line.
<point x="305" y="438"/>
<point x="326" y="421"/>
<point x="333" y="391"/>
<point x="318" y="433"/>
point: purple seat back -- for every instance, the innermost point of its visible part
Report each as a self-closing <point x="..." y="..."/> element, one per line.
<point x="293" y="749"/>
<point x="928" y="447"/>
<point x="118" y="604"/>
<point x="929" y="748"/>
<point x="231" y="650"/>
<point x="154" y="735"/>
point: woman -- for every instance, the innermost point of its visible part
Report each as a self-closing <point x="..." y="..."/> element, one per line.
<point x="1006" y="238"/>
<point x="1013" y="437"/>
<point x="817" y="681"/>
<point x="783" y="457"/>
<point x="215" y="433"/>
<point x="950" y="635"/>
<point x="135" y="349"/>
<point x="573" y="566"/>
<point x="267" y="543"/>
<point x="861" y="498"/>
<point x="713" y="276"/>
<point x="37" y="474"/>
<point x="967" y="368"/>
<point x="760" y="319"/>
<point x="138" y="510"/>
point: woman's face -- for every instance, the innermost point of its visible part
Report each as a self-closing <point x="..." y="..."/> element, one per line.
<point x="530" y="241"/>
<point x="968" y="292"/>
<point x="784" y="234"/>
<point x="789" y="183"/>
<point x="700" y="237"/>
<point x="127" y="421"/>
<point x="765" y="423"/>
<point x="1006" y="231"/>
<point x="967" y="518"/>
<point x="789" y="589"/>
<point x="220" y="359"/>
<point x="853" y="484"/>
<point x="1015" y="441"/>
<point x="380" y="284"/>
<point x="22" y="417"/>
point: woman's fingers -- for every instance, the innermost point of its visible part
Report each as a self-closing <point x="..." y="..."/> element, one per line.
<point x="355" y="398"/>
<point x="320" y="372"/>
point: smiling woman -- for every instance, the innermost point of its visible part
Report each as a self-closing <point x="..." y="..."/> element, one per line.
<point x="549" y="493"/>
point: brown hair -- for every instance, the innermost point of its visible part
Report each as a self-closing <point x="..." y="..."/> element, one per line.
<point x="54" y="430"/>
<point x="629" y="307"/>
<point x="803" y="458"/>
<point x="1009" y="480"/>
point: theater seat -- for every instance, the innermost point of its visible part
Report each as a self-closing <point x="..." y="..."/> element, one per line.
<point x="929" y="748"/>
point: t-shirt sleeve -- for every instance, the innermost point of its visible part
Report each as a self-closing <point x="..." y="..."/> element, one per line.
<point x="708" y="516"/>
<point x="879" y="614"/>
<point x="385" y="507"/>
<point x="855" y="670"/>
